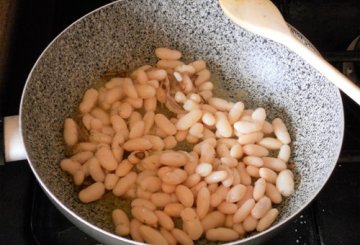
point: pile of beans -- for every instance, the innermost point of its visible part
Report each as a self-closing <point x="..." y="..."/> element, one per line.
<point x="222" y="187"/>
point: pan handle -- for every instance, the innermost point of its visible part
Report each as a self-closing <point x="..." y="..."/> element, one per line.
<point x="14" y="149"/>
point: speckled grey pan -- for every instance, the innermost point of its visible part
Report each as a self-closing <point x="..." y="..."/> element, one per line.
<point x="122" y="36"/>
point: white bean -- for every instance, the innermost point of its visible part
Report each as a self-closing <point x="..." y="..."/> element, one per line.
<point x="134" y="230"/>
<point x="189" y="119"/>
<point x="168" y="64"/>
<point x="165" y="124"/>
<point x="243" y="211"/>
<point x="267" y="220"/>
<point x="190" y="105"/>
<point x="125" y="110"/>
<point x="267" y="128"/>
<point x="273" y="193"/>
<point x="113" y="95"/>
<point x="92" y="193"/>
<point x="71" y="134"/>
<point x="138" y="144"/>
<point x="259" y="189"/>
<point x="185" y="69"/>
<point x="250" y="223"/>
<point x="206" y="86"/>
<point x="268" y="174"/>
<point x="259" y="115"/>
<point x="285" y="182"/>
<point x="270" y="143"/>
<point x="222" y="125"/>
<point x="170" y="142"/>
<point x="182" y="237"/>
<point x="137" y="130"/>
<point x="208" y="119"/>
<point x="164" y="220"/>
<point x="121" y="222"/>
<point x="114" y="82"/>
<point x="129" y="88"/>
<point x="250" y="138"/>
<point x="140" y="76"/>
<point x="236" y="193"/>
<point x="152" y="236"/>
<point x="253" y="171"/>
<point x="203" y="202"/>
<point x="255" y="150"/>
<point x="281" y="131"/>
<point x="246" y="127"/>
<point x="106" y="158"/>
<point x="124" y="184"/>
<point x="150" y="104"/>
<point x="167" y="54"/>
<point x="168" y="236"/>
<point x="156" y="74"/>
<point x="144" y="215"/>
<point x="253" y="161"/>
<point x="89" y="100"/>
<point x="236" y="151"/>
<point x="222" y="234"/>
<point x="198" y="65"/>
<point x="82" y="157"/>
<point x="204" y="169"/>
<point x="184" y="195"/>
<point x="95" y="170"/>
<point x="173" y="159"/>
<point x="284" y="153"/>
<point x="216" y="176"/>
<point x="261" y="207"/>
<point x="110" y="181"/>
<point x="197" y="130"/>
<point x="275" y="164"/>
<point x="203" y="76"/>
<point x="145" y="91"/>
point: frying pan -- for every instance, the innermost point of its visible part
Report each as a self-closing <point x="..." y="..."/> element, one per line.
<point x="122" y="36"/>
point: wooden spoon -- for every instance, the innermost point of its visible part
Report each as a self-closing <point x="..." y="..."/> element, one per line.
<point x="263" y="18"/>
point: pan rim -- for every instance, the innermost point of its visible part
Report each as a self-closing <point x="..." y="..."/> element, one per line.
<point x="65" y="210"/>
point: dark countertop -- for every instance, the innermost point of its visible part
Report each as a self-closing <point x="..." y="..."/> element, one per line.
<point x="7" y="17"/>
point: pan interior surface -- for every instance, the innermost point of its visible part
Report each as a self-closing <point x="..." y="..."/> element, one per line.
<point x="123" y="36"/>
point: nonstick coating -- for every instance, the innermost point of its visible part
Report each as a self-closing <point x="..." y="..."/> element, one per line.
<point x="122" y="36"/>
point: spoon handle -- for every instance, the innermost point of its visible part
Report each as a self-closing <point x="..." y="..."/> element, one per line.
<point x="330" y="72"/>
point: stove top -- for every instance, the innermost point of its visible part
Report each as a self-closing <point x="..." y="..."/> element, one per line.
<point x="27" y="216"/>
